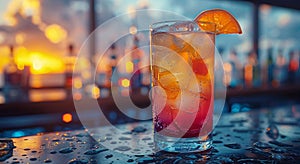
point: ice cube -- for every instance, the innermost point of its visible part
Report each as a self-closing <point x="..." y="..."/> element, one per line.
<point x="159" y="99"/>
<point x="186" y="101"/>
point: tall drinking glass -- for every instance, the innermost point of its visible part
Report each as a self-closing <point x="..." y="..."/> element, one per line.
<point x="182" y="68"/>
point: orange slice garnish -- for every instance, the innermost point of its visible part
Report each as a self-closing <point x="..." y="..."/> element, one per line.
<point x="224" y="22"/>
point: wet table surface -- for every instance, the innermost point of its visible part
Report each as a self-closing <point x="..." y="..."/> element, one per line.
<point x="258" y="136"/>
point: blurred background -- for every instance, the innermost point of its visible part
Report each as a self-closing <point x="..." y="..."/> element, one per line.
<point x="40" y="40"/>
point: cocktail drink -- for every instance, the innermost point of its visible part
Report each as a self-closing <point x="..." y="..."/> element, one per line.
<point x="182" y="74"/>
<point x="182" y="66"/>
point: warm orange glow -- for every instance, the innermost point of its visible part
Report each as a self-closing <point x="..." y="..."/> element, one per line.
<point x="22" y="57"/>
<point x="29" y="7"/>
<point x="36" y="64"/>
<point x="36" y="95"/>
<point x="2" y="99"/>
<point x="95" y="92"/>
<point x="280" y="61"/>
<point x="86" y="75"/>
<point x="39" y="63"/>
<point x="132" y="11"/>
<point x="67" y="118"/>
<point x="25" y="8"/>
<point x="20" y="37"/>
<point x="11" y="20"/>
<point x="32" y="8"/>
<point x="77" y="96"/>
<point x="20" y="66"/>
<point x="248" y="72"/>
<point x="129" y="67"/>
<point x="55" y="33"/>
<point x="228" y="71"/>
<point x="133" y="30"/>
<point x="77" y="83"/>
<point x="125" y="92"/>
<point x="294" y="65"/>
<point x="12" y="8"/>
<point x="2" y="37"/>
<point x="227" y="67"/>
<point x="42" y="63"/>
<point x="125" y="83"/>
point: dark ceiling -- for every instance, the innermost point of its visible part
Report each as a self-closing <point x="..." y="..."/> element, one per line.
<point x="293" y="4"/>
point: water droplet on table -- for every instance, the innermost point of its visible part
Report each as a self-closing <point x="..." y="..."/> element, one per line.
<point x="191" y="156"/>
<point x="55" y="140"/>
<point x="47" y="160"/>
<point x="281" y="144"/>
<point x="272" y="131"/>
<point x="66" y="150"/>
<point x="139" y="155"/>
<point x="225" y="126"/>
<point x="69" y="139"/>
<point x="80" y="135"/>
<point x="233" y="146"/>
<point x="145" y="160"/>
<point x="238" y="121"/>
<point x="146" y="139"/>
<point x="138" y="129"/>
<point x="247" y="130"/>
<point x="108" y="156"/>
<point x="224" y="159"/>
<point x="78" y="161"/>
<point x="259" y="152"/>
<point x="279" y="150"/>
<point x="95" y="151"/>
<point x="261" y="145"/>
<point x="123" y="148"/>
<point x="249" y="160"/>
<point x="278" y="156"/>
<point x="130" y="160"/>
<point x="124" y="138"/>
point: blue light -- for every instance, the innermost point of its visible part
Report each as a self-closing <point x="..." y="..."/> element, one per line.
<point x="18" y="134"/>
<point x="113" y="115"/>
<point x="235" y="108"/>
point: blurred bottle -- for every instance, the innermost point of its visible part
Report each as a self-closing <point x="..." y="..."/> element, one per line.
<point x="298" y="71"/>
<point x="236" y="70"/>
<point x="270" y="67"/>
<point x="136" y="56"/>
<point x="252" y="71"/>
<point x="112" y="73"/>
<point x="69" y="63"/>
<point x="12" y="79"/>
<point x="72" y="76"/>
<point x="293" y="67"/>
<point x="280" y="71"/>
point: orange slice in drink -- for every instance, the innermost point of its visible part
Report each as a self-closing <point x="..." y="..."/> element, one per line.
<point x="224" y="21"/>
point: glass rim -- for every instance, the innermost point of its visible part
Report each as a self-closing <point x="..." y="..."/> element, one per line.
<point x="172" y="22"/>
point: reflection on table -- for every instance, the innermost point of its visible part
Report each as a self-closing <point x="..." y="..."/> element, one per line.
<point x="264" y="135"/>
